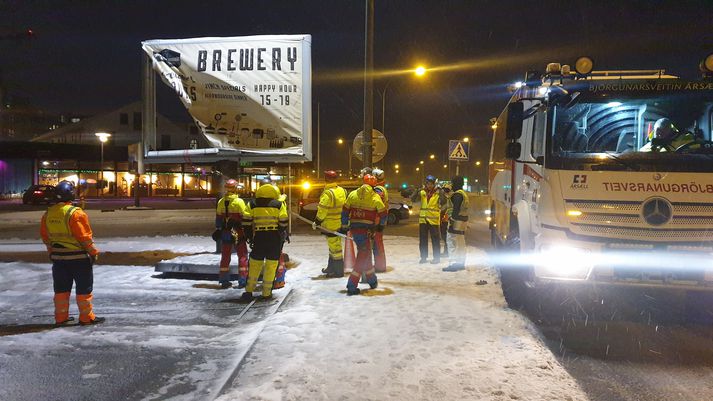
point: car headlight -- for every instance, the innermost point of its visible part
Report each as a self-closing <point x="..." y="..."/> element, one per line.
<point x="563" y="262"/>
<point x="405" y="207"/>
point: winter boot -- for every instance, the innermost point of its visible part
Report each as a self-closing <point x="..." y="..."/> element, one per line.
<point x="67" y="322"/>
<point x="225" y="284"/>
<point x="353" y="291"/>
<point x="373" y="283"/>
<point x="96" y="320"/>
<point x="247" y="296"/>
<point x="338" y="268"/>
<point x="454" y="268"/>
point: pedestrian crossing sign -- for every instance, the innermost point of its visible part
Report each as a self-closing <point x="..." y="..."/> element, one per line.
<point x="458" y="150"/>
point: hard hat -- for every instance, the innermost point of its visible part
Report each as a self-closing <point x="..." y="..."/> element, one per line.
<point x="267" y="191"/>
<point x="231" y="185"/>
<point x="330" y="175"/>
<point x="378" y="174"/>
<point x="64" y="191"/>
<point x="430" y="178"/>
<point x="365" y="171"/>
<point x="369" y="179"/>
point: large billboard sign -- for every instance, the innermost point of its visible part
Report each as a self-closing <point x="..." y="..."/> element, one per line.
<point x="251" y="94"/>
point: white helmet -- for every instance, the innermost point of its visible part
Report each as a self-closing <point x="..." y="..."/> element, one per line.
<point x="378" y="174"/>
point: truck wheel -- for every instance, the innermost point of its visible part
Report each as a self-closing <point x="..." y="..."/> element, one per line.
<point x="515" y="280"/>
<point x="392" y="218"/>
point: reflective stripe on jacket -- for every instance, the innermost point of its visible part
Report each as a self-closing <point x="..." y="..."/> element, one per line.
<point x="363" y="208"/>
<point x="430" y="209"/>
<point x="329" y="209"/>
<point x="265" y="214"/>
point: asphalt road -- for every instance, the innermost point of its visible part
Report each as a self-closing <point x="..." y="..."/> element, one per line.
<point x="618" y="344"/>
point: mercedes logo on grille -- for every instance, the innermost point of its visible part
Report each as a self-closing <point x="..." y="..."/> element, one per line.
<point x="657" y="211"/>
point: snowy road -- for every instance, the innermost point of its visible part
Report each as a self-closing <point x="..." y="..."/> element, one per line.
<point x="424" y="334"/>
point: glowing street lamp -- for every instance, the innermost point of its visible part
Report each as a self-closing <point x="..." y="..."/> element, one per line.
<point x="349" y="155"/>
<point x="420" y="71"/>
<point x="466" y="139"/>
<point x="477" y="163"/>
<point x="103" y="137"/>
<point x="421" y="162"/>
<point x="396" y="166"/>
<point x="432" y="157"/>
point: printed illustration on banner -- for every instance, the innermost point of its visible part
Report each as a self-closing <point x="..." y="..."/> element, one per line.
<point x="458" y="150"/>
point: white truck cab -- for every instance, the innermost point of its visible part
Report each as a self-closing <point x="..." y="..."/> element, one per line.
<point x="577" y="195"/>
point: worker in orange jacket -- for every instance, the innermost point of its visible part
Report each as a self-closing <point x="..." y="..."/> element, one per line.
<point x="66" y="232"/>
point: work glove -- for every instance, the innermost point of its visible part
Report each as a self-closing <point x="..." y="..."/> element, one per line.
<point x="314" y="225"/>
<point x="216" y="235"/>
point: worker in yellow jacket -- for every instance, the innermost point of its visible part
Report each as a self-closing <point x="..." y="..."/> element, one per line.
<point x="429" y="219"/>
<point x="265" y="220"/>
<point x="329" y="216"/>
<point x="66" y="232"/>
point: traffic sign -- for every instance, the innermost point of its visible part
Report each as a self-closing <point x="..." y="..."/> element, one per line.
<point x="378" y="146"/>
<point x="458" y="150"/>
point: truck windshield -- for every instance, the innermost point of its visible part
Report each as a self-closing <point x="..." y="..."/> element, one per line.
<point x="640" y="132"/>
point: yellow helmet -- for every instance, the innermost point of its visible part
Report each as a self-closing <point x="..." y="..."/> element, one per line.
<point x="267" y="191"/>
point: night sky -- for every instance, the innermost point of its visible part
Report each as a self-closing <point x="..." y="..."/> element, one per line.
<point x="84" y="57"/>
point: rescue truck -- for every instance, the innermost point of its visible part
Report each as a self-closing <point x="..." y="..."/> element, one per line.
<point x="577" y="195"/>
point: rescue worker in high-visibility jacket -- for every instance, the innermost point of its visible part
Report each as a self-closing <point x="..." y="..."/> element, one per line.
<point x="329" y="216"/>
<point x="228" y="223"/>
<point x="379" y="252"/>
<point x="66" y="232"/>
<point x="458" y="205"/>
<point x="364" y="213"/>
<point x="429" y="219"/>
<point x="446" y="191"/>
<point x="665" y="137"/>
<point x="265" y="220"/>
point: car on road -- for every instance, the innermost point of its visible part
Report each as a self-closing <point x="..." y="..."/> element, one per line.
<point x="398" y="210"/>
<point x="39" y="194"/>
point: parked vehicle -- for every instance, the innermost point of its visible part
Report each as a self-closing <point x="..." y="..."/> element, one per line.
<point x="38" y="194"/>
<point x="310" y="199"/>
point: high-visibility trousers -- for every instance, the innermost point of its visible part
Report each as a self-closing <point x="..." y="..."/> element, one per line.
<point x="363" y="260"/>
<point x="226" y="250"/>
<point x="379" y="252"/>
<point x="65" y="273"/>
<point x="264" y="258"/>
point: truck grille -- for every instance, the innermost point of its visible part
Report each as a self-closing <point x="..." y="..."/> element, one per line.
<point x="623" y="219"/>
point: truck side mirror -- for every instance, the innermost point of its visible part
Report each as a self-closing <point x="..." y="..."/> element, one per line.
<point x="513" y="150"/>
<point x="513" y="129"/>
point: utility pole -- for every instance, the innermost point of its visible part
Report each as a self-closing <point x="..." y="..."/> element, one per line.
<point x="319" y="158"/>
<point x="368" y="82"/>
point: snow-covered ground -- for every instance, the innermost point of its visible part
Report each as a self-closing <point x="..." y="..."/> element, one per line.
<point x="423" y="334"/>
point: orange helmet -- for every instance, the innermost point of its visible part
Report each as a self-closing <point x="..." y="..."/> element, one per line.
<point x="369" y="179"/>
<point x="330" y="175"/>
<point x="231" y="186"/>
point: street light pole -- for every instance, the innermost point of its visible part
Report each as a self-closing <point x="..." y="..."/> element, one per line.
<point x="103" y="137"/>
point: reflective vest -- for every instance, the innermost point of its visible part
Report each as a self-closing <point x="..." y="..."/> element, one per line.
<point x="430" y="210"/>
<point x="57" y="222"/>
<point x="460" y="222"/>
<point x="383" y="193"/>
<point x="329" y="209"/>
<point x="363" y="208"/>
<point x="265" y="214"/>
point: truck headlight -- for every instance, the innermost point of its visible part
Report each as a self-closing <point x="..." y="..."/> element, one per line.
<point x="563" y="262"/>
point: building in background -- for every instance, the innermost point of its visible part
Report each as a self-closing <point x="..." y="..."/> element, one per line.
<point x="124" y="125"/>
